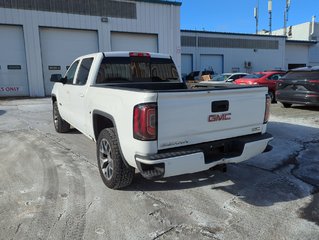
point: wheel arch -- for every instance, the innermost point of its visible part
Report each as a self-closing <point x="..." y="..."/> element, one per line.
<point x="53" y="98"/>
<point x="102" y="120"/>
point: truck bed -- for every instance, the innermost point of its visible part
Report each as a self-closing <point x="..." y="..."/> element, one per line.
<point x="170" y="87"/>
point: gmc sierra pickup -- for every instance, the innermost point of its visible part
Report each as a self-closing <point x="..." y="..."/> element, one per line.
<point x="142" y="116"/>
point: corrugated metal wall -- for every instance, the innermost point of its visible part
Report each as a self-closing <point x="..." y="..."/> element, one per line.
<point x="264" y="52"/>
<point x="152" y="18"/>
<point x="107" y="8"/>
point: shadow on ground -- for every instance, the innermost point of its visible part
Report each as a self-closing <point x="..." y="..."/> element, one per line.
<point x="252" y="184"/>
<point x="306" y="108"/>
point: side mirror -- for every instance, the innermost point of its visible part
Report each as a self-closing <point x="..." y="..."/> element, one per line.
<point x="57" y="78"/>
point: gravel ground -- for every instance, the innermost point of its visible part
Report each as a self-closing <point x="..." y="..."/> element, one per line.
<point x="50" y="187"/>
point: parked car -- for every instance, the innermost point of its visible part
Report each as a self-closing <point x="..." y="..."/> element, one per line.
<point x="224" y="78"/>
<point x="228" y="77"/>
<point x="141" y="116"/>
<point x="268" y="79"/>
<point x="196" y="75"/>
<point x="299" y="86"/>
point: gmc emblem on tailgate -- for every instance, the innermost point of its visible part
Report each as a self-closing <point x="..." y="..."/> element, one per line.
<point x="219" y="117"/>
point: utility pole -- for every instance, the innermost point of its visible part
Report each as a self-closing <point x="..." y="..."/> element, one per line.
<point x="270" y="14"/>
<point x="286" y="16"/>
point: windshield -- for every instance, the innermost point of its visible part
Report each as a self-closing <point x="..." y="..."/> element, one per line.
<point x="254" y="76"/>
<point x="137" y="69"/>
<point x="220" y="77"/>
<point x="302" y="75"/>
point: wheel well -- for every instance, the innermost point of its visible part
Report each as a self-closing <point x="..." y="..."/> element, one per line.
<point x="99" y="123"/>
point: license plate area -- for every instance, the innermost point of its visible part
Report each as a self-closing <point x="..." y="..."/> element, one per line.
<point x="222" y="149"/>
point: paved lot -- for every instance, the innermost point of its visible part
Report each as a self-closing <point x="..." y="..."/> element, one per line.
<point x="50" y="187"/>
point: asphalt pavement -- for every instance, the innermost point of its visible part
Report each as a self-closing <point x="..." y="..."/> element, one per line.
<point x="50" y="187"/>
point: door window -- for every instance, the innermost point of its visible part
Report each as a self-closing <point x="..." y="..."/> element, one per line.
<point x="71" y="72"/>
<point x="84" y="71"/>
<point x="275" y="77"/>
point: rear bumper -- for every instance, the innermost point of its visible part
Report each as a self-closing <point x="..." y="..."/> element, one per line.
<point x="201" y="157"/>
<point x="295" y="97"/>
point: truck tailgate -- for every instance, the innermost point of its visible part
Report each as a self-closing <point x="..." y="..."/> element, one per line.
<point x="191" y="117"/>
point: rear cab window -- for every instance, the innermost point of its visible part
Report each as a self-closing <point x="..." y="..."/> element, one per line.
<point x="137" y="69"/>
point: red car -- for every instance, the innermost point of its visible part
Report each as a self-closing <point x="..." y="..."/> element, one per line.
<point x="268" y="79"/>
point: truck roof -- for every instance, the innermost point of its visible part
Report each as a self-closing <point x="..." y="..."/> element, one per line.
<point x="127" y="54"/>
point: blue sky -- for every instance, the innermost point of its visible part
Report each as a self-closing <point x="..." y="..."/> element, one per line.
<point x="238" y="15"/>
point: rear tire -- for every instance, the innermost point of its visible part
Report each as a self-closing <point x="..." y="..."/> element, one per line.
<point x="286" y="105"/>
<point x="60" y="125"/>
<point x="114" y="173"/>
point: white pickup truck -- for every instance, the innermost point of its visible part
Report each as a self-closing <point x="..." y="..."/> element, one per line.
<point x="142" y="116"/>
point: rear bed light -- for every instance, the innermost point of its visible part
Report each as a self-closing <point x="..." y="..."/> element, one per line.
<point x="267" y="108"/>
<point x="145" y="122"/>
<point x="314" y="81"/>
<point x="139" y="54"/>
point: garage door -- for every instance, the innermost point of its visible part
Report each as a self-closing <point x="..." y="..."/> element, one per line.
<point x="211" y="62"/>
<point x="187" y="63"/>
<point x="13" y="67"/>
<point x="134" y="42"/>
<point x="59" y="47"/>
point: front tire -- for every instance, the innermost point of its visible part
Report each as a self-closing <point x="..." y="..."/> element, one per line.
<point x="286" y="105"/>
<point x="60" y="125"/>
<point x="114" y="173"/>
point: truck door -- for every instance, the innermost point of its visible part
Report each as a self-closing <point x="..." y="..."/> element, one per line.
<point x="79" y="109"/>
<point x="65" y="90"/>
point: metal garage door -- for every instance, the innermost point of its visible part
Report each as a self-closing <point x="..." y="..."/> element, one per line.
<point x="211" y="62"/>
<point x="187" y="63"/>
<point x="134" y="42"/>
<point x="59" y="47"/>
<point x="13" y="67"/>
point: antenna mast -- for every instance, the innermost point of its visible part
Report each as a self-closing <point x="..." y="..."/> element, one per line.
<point x="270" y="14"/>
<point x="256" y="15"/>
<point x="286" y="16"/>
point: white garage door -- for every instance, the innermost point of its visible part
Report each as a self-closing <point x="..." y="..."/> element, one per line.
<point x="13" y="67"/>
<point x="187" y="63"/>
<point x="134" y="42"/>
<point x="59" y="47"/>
<point x="211" y="62"/>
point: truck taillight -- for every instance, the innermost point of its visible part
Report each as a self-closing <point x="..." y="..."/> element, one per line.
<point x="145" y="122"/>
<point x="267" y="109"/>
<point x="139" y="54"/>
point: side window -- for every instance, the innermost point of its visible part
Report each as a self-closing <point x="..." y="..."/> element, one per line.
<point x="275" y="77"/>
<point x="84" y="70"/>
<point x="71" y="72"/>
